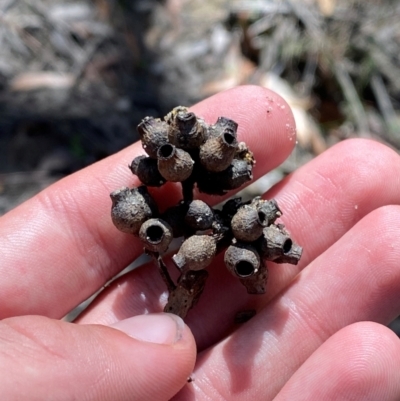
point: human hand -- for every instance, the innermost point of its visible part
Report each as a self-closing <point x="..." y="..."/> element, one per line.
<point x="304" y="343"/>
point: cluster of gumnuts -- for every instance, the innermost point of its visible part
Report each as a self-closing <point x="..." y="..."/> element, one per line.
<point x="183" y="148"/>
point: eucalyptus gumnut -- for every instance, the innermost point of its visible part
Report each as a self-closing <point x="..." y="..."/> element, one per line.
<point x="242" y="260"/>
<point x="269" y="208"/>
<point x="174" y="164"/>
<point x="195" y="253"/>
<point x="131" y="208"/>
<point x="185" y="131"/>
<point x="217" y="153"/>
<point x="276" y="245"/>
<point x="248" y="223"/>
<point x="199" y="215"/>
<point x="153" y="133"/>
<point x="146" y="170"/>
<point x="156" y="235"/>
<point x="238" y="173"/>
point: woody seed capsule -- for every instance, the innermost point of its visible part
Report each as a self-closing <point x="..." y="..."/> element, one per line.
<point x="199" y="215"/>
<point x="248" y="223"/>
<point x="276" y="245"/>
<point x="217" y="153"/>
<point x="268" y="208"/>
<point x="256" y="284"/>
<point x="153" y="134"/>
<point x="174" y="164"/>
<point x="131" y="208"/>
<point x="242" y="260"/>
<point x="156" y="235"/>
<point x="185" y="131"/>
<point x="147" y="171"/>
<point x="238" y="173"/>
<point x="195" y="253"/>
<point x="223" y="124"/>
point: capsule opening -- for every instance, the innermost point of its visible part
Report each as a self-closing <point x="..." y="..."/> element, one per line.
<point x="244" y="268"/>
<point x="154" y="234"/>
<point x="166" y="150"/>
<point x="229" y="138"/>
<point x="186" y="117"/>
<point x="262" y="217"/>
<point x="287" y="246"/>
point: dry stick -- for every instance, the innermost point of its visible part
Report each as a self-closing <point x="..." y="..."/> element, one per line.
<point x="187" y="190"/>
<point x="162" y="268"/>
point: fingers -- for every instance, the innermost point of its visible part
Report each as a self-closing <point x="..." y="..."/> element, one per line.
<point x="143" y="358"/>
<point x="60" y="247"/>
<point x="360" y="362"/>
<point x="325" y="198"/>
<point x="320" y="203"/>
<point x="356" y="279"/>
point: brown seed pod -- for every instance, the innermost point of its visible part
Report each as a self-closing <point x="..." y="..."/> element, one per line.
<point x="131" y="208"/>
<point x="216" y="154"/>
<point x="195" y="253"/>
<point x="276" y="245"/>
<point x="268" y="208"/>
<point x="199" y="215"/>
<point x="153" y="134"/>
<point x="185" y="131"/>
<point x="238" y="173"/>
<point x="147" y="171"/>
<point x="248" y="223"/>
<point x="156" y="235"/>
<point x="242" y="260"/>
<point x="256" y="284"/>
<point x="223" y="124"/>
<point x="174" y="164"/>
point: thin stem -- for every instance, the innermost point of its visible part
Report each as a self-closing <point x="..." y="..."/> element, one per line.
<point x="162" y="268"/>
<point x="187" y="190"/>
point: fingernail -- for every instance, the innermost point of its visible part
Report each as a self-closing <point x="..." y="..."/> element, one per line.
<point x="159" y="328"/>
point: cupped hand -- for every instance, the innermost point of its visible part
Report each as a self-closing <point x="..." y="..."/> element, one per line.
<point x="319" y="330"/>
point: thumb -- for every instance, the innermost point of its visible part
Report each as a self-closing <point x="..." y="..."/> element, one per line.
<point x="146" y="357"/>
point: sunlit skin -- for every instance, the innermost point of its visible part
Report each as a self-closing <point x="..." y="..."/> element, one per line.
<point x="319" y="330"/>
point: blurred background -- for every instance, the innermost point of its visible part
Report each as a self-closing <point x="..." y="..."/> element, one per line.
<point x="76" y="77"/>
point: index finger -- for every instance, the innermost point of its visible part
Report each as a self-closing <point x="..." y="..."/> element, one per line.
<point x="60" y="246"/>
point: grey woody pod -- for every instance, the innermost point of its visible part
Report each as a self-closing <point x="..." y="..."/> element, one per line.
<point x="153" y="134"/>
<point x="242" y="260"/>
<point x="147" y="171"/>
<point x="174" y="164"/>
<point x="222" y="125"/>
<point x="269" y="209"/>
<point x="195" y="253"/>
<point x="156" y="235"/>
<point x="256" y="284"/>
<point x="236" y="174"/>
<point x="185" y="131"/>
<point x="217" y="153"/>
<point x="131" y="208"/>
<point x="248" y="224"/>
<point x="276" y="245"/>
<point x="199" y="215"/>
